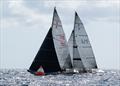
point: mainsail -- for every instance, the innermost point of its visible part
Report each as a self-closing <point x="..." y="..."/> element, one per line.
<point x="80" y="47"/>
<point x="53" y="53"/>
<point x="60" y="42"/>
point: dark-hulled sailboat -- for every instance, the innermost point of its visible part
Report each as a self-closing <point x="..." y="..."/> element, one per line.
<point x="53" y="55"/>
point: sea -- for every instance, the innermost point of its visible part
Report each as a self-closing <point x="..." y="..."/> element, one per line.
<point x="20" y="77"/>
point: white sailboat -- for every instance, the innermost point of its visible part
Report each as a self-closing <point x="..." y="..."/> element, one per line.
<point x="81" y="52"/>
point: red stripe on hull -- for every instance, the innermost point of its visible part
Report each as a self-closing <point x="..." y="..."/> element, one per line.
<point x="39" y="73"/>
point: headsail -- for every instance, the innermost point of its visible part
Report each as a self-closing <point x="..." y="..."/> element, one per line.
<point x="46" y="56"/>
<point x="83" y="44"/>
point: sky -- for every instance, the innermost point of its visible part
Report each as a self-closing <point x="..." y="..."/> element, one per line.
<point x="25" y="23"/>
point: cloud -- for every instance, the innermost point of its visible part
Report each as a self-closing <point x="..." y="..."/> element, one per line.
<point x="8" y="23"/>
<point x="94" y="10"/>
<point x="17" y="7"/>
<point x="91" y="10"/>
<point x="104" y="3"/>
<point x="26" y="15"/>
<point x="76" y="4"/>
<point x="69" y="5"/>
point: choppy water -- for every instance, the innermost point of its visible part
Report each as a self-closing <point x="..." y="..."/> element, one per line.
<point x="19" y="77"/>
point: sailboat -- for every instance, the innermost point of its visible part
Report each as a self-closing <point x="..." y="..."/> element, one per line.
<point x="82" y="57"/>
<point x="53" y="55"/>
<point x="56" y="55"/>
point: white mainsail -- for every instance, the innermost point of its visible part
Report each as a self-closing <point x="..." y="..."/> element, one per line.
<point x="84" y="46"/>
<point x="60" y="42"/>
<point x="80" y="47"/>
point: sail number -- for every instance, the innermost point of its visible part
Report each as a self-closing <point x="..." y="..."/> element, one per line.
<point x="84" y="41"/>
<point x="56" y="24"/>
<point x="62" y="40"/>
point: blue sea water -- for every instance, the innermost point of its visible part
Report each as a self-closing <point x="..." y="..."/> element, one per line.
<point x="20" y="77"/>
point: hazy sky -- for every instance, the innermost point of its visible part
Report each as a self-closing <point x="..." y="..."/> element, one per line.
<point x="24" y="25"/>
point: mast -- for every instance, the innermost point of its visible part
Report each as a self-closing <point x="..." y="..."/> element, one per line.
<point x="74" y="44"/>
